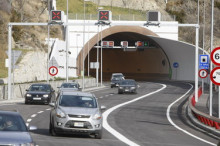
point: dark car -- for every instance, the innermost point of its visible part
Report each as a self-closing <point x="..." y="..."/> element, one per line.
<point x="116" y="79"/>
<point x="39" y="93"/>
<point x="13" y="130"/>
<point x="71" y="86"/>
<point x="128" y="85"/>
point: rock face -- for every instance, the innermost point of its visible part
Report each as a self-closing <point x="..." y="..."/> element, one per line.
<point x="32" y="67"/>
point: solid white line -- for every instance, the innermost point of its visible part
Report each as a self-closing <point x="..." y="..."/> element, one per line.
<point x="34" y="115"/>
<point x="40" y="112"/>
<point x="113" y="131"/>
<point x="28" y="120"/>
<point x="170" y="120"/>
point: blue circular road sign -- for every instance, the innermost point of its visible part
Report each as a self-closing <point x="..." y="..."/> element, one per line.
<point x="175" y="64"/>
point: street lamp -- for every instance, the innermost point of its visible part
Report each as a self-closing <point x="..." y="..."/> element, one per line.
<point x="67" y="44"/>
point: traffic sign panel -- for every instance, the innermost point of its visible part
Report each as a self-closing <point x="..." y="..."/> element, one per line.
<point x="215" y="56"/>
<point x="53" y="70"/>
<point x="203" y="73"/>
<point x="204" y="62"/>
<point x="215" y="76"/>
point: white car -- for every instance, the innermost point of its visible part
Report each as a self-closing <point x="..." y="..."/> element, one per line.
<point x="76" y="113"/>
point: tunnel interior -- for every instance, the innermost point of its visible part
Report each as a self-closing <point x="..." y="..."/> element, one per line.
<point x="143" y="63"/>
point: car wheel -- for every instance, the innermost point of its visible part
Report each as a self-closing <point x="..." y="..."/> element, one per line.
<point x="111" y="86"/>
<point x="25" y="102"/>
<point x="98" y="134"/>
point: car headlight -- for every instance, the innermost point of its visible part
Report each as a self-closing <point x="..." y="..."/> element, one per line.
<point x="120" y="87"/>
<point x="45" y="95"/>
<point x="27" y="144"/>
<point x="132" y="87"/>
<point x="60" y="114"/>
<point x="97" y="117"/>
<point x="28" y="95"/>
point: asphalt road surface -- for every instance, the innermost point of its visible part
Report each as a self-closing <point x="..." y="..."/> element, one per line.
<point x="155" y="116"/>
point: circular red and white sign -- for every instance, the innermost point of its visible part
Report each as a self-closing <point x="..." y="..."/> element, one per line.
<point x="203" y="73"/>
<point x="215" y="56"/>
<point x="215" y="76"/>
<point x="53" y="70"/>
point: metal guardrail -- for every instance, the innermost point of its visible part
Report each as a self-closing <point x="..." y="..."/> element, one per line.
<point x="202" y="117"/>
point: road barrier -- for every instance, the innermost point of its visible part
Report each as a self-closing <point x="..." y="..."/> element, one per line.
<point x="202" y="117"/>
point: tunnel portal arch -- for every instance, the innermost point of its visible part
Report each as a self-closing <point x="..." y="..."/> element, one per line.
<point x="140" y="65"/>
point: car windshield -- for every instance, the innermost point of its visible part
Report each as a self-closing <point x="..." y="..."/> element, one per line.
<point x="39" y="88"/>
<point x="12" y="123"/>
<point x="125" y="82"/>
<point x="117" y="77"/>
<point x="69" y="85"/>
<point x="77" y="101"/>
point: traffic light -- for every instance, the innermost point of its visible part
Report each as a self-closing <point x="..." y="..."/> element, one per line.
<point x="146" y="44"/>
<point x="105" y="15"/>
<point x="124" y="44"/>
<point x="139" y="44"/>
<point x="56" y="16"/>
<point x="111" y="44"/>
<point x="107" y="44"/>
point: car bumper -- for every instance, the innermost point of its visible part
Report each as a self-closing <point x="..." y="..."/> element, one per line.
<point x="127" y="90"/>
<point x="37" y="100"/>
<point x="61" y="125"/>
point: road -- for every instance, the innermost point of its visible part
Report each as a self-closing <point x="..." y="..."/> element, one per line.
<point x="153" y="117"/>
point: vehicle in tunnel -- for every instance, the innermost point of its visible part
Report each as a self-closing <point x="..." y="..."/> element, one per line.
<point x="116" y="79"/>
<point x="127" y="86"/>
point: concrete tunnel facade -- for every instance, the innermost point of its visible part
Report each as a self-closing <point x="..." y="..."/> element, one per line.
<point x="155" y="62"/>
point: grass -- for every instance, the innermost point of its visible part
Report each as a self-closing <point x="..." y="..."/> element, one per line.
<point x="76" y="7"/>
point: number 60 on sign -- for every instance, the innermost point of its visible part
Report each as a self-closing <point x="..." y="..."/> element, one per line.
<point x="215" y="56"/>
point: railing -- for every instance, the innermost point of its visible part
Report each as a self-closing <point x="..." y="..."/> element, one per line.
<point x="119" y="17"/>
<point x="202" y="117"/>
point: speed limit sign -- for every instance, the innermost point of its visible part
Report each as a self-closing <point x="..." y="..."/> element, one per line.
<point x="215" y="56"/>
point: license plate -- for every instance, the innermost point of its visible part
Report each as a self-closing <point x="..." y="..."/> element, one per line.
<point x="78" y="124"/>
<point x="126" y="90"/>
<point x="35" y="98"/>
<point x="116" y="85"/>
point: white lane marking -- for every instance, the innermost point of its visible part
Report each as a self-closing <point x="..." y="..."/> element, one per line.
<point x="34" y="115"/>
<point x="27" y="124"/>
<point x="106" y="95"/>
<point x="40" y="112"/>
<point x="113" y="131"/>
<point x="170" y="120"/>
<point x="101" y="97"/>
<point x="48" y="109"/>
<point x="94" y="90"/>
<point x="28" y="120"/>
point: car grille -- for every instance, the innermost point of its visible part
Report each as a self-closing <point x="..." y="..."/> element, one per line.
<point x="86" y="125"/>
<point x="79" y="116"/>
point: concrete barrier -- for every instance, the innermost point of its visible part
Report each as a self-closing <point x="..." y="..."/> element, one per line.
<point x="19" y="90"/>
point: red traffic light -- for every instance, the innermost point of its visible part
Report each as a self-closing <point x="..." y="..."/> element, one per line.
<point x="111" y="43"/>
<point x="56" y="15"/>
<point x="139" y="44"/>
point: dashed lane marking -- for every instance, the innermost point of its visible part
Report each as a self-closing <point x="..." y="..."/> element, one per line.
<point x="40" y="112"/>
<point x="34" y="115"/>
<point x="28" y="120"/>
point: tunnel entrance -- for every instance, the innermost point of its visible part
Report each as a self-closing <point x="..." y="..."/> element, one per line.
<point x="139" y="64"/>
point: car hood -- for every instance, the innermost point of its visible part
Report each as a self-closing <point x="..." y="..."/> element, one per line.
<point x="15" y="137"/>
<point x="79" y="111"/>
<point x="38" y="92"/>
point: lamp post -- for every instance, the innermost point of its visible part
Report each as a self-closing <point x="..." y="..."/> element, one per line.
<point x="67" y="44"/>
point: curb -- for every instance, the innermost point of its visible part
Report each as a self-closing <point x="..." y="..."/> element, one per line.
<point x="200" y="125"/>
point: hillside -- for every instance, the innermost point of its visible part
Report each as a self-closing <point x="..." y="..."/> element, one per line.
<point x="31" y="39"/>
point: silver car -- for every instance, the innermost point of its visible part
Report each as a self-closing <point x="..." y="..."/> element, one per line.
<point x="13" y="130"/>
<point x="76" y="113"/>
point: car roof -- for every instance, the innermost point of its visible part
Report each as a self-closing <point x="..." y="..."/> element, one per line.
<point x="117" y="74"/>
<point x="40" y="84"/>
<point x="79" y="93"/>
<point x="70" y="83"/>
<point x="13" y="113"/>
